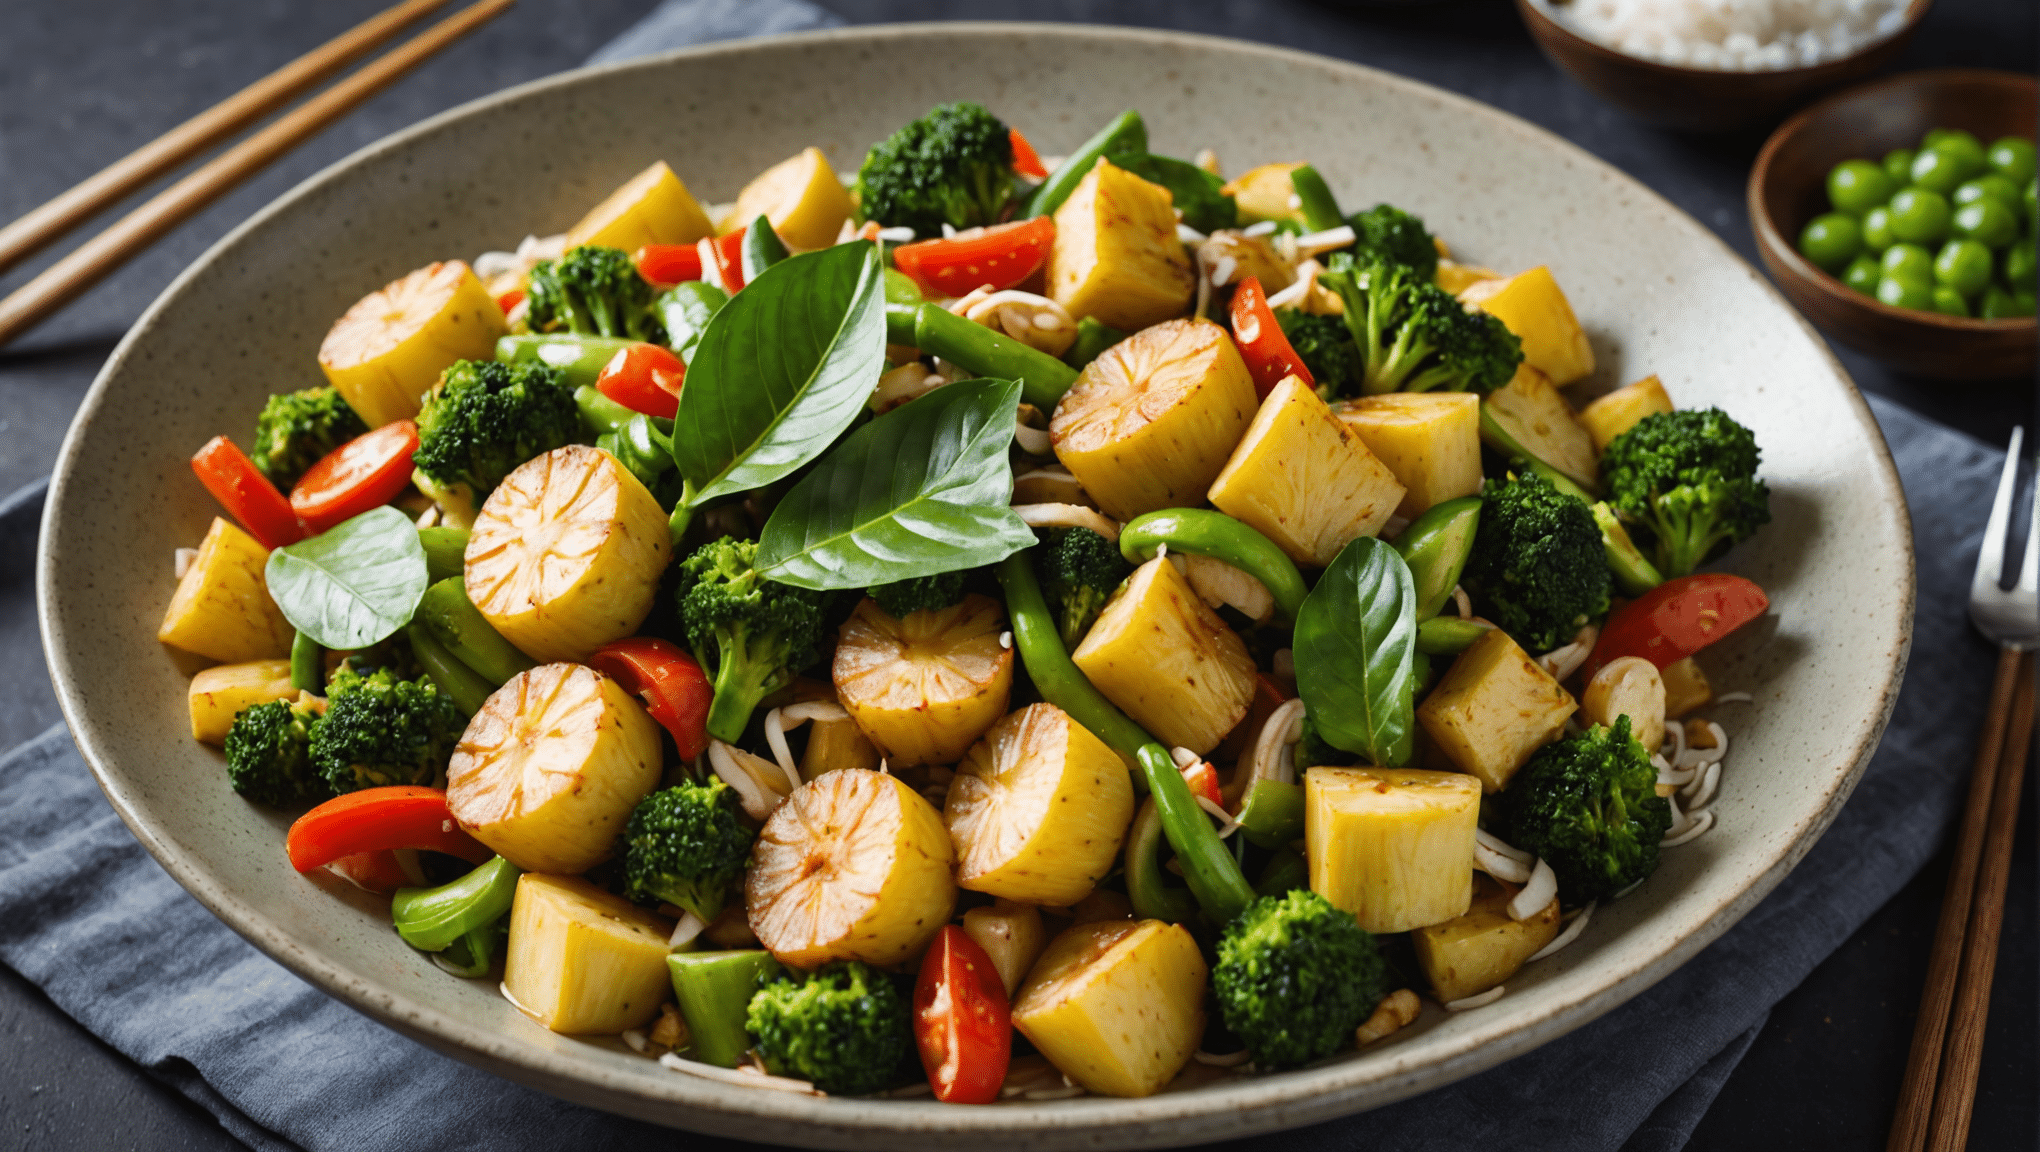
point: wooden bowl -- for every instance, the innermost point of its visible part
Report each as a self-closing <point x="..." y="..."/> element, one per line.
<point x="1702" y="99"/>
<point x="1788" y="187"/>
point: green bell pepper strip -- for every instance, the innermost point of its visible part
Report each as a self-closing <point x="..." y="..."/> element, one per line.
<point x="714" y="991"/>
<point x="430" y="919"/>
<point x="1152" y="896"/>
<point x="466" y="687"/>
<point x="1125" y="136"/>
<point x="762" y="248"/>
<point x="1449" y="635"/>
<point x="1272" y="814"/>
<point x="1220" y="537"/>
<point x="307" y="665"/>
<point x="1284" y="872"/>
<point x="1435" y="546"/>
<point x="601" y="415"/>
<point x="580" y="357"/>
<point x="471" y="956"/>
<point x="1634" y="573"/>
<point x="467" y="635"/>
<point x="979" y="350"/>
<point x="686" y="308"/>
<point x="445" y="552"/>
<point x="1093" y="338"/>
<point x="1320" y="208"/>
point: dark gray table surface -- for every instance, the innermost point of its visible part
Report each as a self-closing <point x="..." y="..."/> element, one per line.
<point x="83" y="82"/>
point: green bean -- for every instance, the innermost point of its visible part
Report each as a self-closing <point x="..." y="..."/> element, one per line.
<point x="307" y="665"/>
<point x="579" y="357"/>
<point x="1320" y="209"/>
<point x="1435" y="546"/>
<point x="445" y="552"/>
<point x="1152" y="896"/>
<point x="430" y="919"/>
<point x="462" y="684"/>
<point x="1125" y="136"/>
<point x="467" y="635"/>
<point x="982" y="352"/>
<point x="1448" y="635"/>
<point x="1220" y="537"/>
<point x="1272" y="813"/>
<point x="1212" y="873"/>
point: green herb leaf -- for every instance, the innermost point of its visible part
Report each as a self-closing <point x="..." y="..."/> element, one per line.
<point x="921" y="490"/>
<point x="780" y="371"/>
<point x="1199" y="194"/>
<point x="1356" y="639"/>
<point x="353" y="584"/>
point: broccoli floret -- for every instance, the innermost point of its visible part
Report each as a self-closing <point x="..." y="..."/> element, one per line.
<point x="931" y="593"/>
<point x="1537" y="566"/>
<point x="484" y="418"/>
<point x="845" y="1027"/>
<point x="269" y="755"/>
<point x="1589" y="806"/>
<point x="1079" y="571"/>
<point x="1690" y="477"/>
<point x="1326" y="348"/>
<point x="1295" y="976"/>
<point x="1397" y="235"/>
<point x="953" y="166"/>
<point x="755" y="632"/>
<point x="382" y="730"/>
<point x="594" y="291"/>
<point x="1412" y="336"/>
<point x="297" y="429"/>
<point x="684" y="845"/>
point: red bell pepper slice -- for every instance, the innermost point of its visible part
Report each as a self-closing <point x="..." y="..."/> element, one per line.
<point x="664" y="265"/>
<point x="1262" y="343"/>
<point x="1203" y="781"/>
<point x="962" y="1022"/>
<point x="246" y="493"/>
<point x="366" y="472"/>
<point x="1026" y="161"/>
<point x="997" y="257"/>
<point x="643" y="378"/>
<point x="373" y="819"/>
<point x="726" y="255"/>
<point x="1678" y="618"/>
<point x="674" y="688"/>
<point x="509" y="301"/>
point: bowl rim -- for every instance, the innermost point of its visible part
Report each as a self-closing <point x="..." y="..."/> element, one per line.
<point x="1782" y="252"/>
<point x="1544" y="24"/>
<point x="1246" y="1107"/>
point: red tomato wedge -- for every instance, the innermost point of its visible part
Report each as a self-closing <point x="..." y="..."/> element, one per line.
<point x="643" y="378"/>
<point x="1678" y="618"/>
<point x="962" y="1023"/>
<point x="664" y="265"/>
<point x="726" y="255"/>
<point x="674" y="688"/>
<point x="1203" y="781"/>
<point x="246" y="493"/>
<point x="1264" y="347"/>
<point x="509" y="301"/>
<point x="377" y="872"/>
<point x="1026" y="161"/>
<point x="373" y="819"/>
<point x="997" y="257"/>
<point x="366" y="472"/>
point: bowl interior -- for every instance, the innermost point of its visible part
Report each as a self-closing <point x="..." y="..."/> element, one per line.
<point x="1655" y="290"/>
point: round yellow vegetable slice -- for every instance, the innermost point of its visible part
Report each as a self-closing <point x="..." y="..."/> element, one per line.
<point x="1037" y="809"/>
<point x="802" y="197"/>
<point x="923" y="689"/>
<point x="393" y="344"/>
<point x="549" y="769"/>
<point x="853" y="866"/>
<point x="566" y="553"/>
<point x="652" y="207"/>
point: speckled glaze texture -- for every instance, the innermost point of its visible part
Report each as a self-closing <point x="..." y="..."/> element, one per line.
<point x="1656" y="291"/>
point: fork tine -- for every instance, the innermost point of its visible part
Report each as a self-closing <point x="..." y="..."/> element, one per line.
<point x="1990" y="558"/>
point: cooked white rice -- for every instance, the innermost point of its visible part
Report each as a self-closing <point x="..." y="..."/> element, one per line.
<point x="1733" y="35"/>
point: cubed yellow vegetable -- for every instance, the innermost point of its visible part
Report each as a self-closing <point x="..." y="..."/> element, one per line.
<point x="1266" y="193"/>
<point x="1150" y="423"/>
<point x="1611" y="415"/>
<point x="1168" y="661"/>
<point x="1469" y="954"/>
<point x="1305" y="479"/>
<point x="1455" y="278"/>
<point x="1037" y="809"/>
<point x="219" y="694"/>
<point x="1530" y="409"/>
<point x="1393" y="846"/>
<point x="1116" y="1005"/>
<point x="1429" y="440"/>
<point x="1531" y="305"/>
<point x="923" y="689"/>
<point x="392" y="345"/>
<point x="582" y="961"/>
<point x="222" y="609"/>
<point x="1686" y="687"/>
<point x="652" y="207"/>
<point x="802" y="197"/>
<point x="1116" y="256"/>
<point x="1494" y="708"/>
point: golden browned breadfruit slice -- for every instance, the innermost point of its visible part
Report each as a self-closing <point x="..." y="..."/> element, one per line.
<point x="393" y="344"/>
<point x="1430" y="440"/>
<point x="222" y="608"/>
<point x="1393" y="846"/>
<point x="1611" y="415"/>
<point x="924" y="688"/>
<point x="652" y="207"/>
<point x="1116" y="1005"/>
<point x="1532" y="306"/>
<point x="802" y="198"/>
<point x="1473" y="952"/>
<point x="582" y="961"/>
<point x="1304" y="479"/>
<point x="1494" y="707"/>
<point x="1116" y="256"/>
<point x="1168" y="661"/>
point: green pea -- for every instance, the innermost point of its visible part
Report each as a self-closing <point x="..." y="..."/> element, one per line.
<point x="1987" y="221"/>
<point x="1991" y="186"/>
<point x="1920" y="216"/>
<point x="1963" y="265"/>
<point x="1963" y="146"/>
<point x="1937" y="135"/>
<point x="2012" y="157"/>
<point x="1857" y="186"/>
<point x="1940" y="169"/>
<point x="1862" y="274"/>
<point x="2016" y="264"/>
<point x="1877" y="234"/>
<point x="1905" y="294"/>
<point x="1898" y="165"/>
<point x="1831" y="241"/>
<point x="1998" y="304"/>
<point x="1949" y="302"/>
<point x="1908" y="262"/>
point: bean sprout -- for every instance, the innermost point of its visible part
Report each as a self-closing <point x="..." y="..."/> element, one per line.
<point x="1314" y="243"/>
<point x="1283" y="727"/>
<point x="186" y="556"/>
<point x="684" y="932"/>
<point x="1067" y="516"/>
<point x="1561" y="663"/>
<point x="1499" y="860"/>
<point x="1571" y="933"/>
<point x="1701" y="821"/>
<point x="1462" y="602"/>
<point x="742" y="1077"/>
<point x="1536" y="895"/>
<point x="750" y="775"/>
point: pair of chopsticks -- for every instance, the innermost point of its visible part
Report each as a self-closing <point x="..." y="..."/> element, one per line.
<point x="93" y="260"/>
<point x="1939" y="1091"/>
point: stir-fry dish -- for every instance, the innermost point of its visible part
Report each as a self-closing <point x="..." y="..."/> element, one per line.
<point x="994" y="626"/>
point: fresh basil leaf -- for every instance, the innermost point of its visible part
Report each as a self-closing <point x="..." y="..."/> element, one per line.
<point x="353" y="584"/>
<point x="686" y="308"/>
<point x="921" y="490"/>
<point x="781" y="371"/>
<point x="1199" y="194"/>
<point x="1356" y="639"/>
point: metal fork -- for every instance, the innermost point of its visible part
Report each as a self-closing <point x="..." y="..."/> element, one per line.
<point x="1947" y="1046"/>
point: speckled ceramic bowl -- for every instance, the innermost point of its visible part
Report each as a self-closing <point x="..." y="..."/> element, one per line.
<point x="1657" y="292"/>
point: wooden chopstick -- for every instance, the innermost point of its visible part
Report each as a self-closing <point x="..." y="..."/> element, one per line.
<point x="66" y="279"/>
<point x="1964" y="1056"/>
<point x="1909" y="1125"/>
<point x="115" y="182"/>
